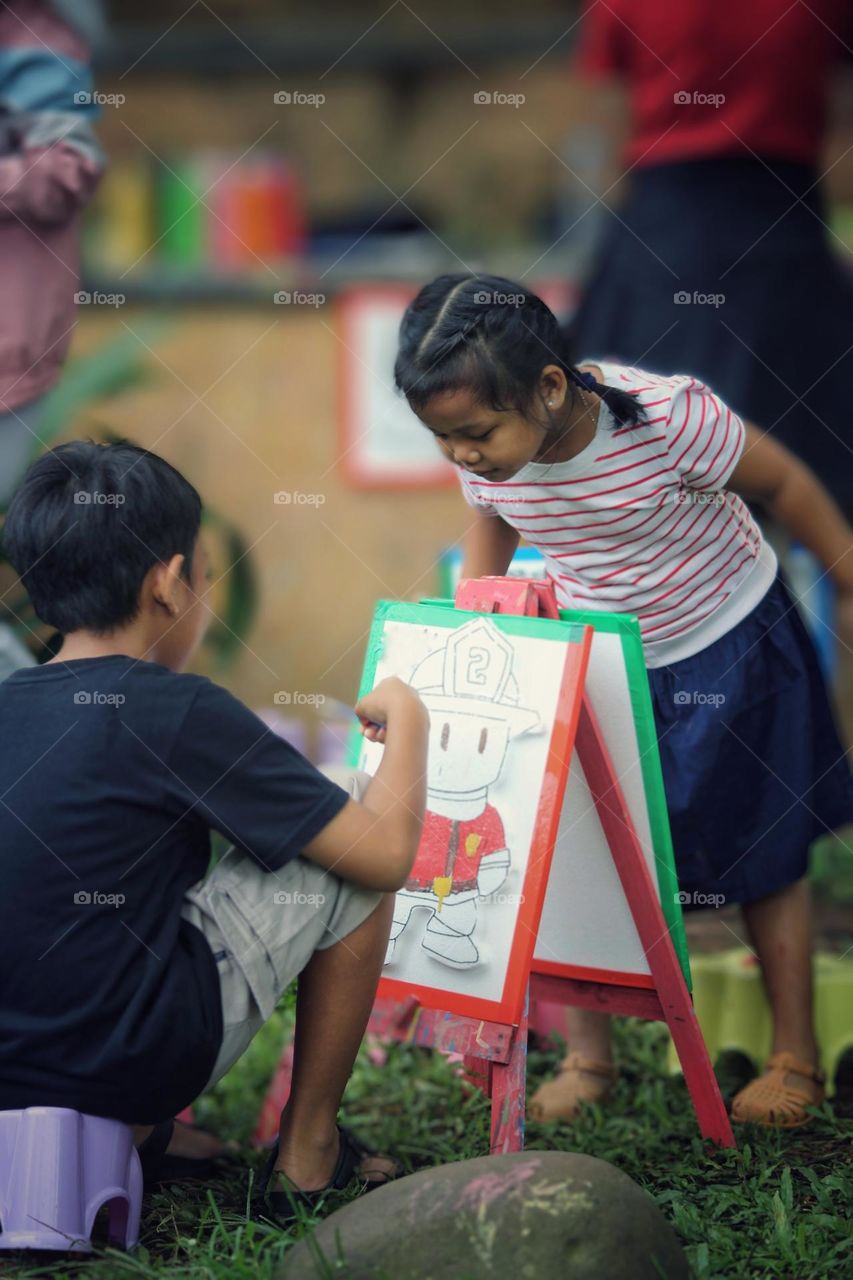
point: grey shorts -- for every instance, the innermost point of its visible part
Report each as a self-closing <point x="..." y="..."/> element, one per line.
<point x="264" y="926"/>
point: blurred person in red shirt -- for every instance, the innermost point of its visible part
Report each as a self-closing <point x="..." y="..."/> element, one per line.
<point x="720" y="261"/>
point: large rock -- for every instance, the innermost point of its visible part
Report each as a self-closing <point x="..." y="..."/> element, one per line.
<point x="533" y="1215"/>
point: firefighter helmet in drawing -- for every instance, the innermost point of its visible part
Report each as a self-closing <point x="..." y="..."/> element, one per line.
<point x="473" y="668"/>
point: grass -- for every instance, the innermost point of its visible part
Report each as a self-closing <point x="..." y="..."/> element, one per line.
<point x="777" y="1209"/>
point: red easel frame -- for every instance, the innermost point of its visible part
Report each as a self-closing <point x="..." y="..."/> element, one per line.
<point x="495" y="1053"/>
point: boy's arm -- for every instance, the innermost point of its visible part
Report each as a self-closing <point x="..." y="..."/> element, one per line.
<point x="488" y="547"/>
<point x="794" y="496"/>
<point x="374" y="842"/>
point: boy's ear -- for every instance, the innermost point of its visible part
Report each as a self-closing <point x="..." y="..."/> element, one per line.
<point x="166" y="584"/>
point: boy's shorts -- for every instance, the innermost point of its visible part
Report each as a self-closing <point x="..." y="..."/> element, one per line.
<point x="264" y="926"/>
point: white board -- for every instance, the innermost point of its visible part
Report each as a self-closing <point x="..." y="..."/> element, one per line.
<point x="586" y="921"/>
<point x="494" y="697"/>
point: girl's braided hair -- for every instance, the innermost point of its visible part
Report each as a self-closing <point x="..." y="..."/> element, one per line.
<point x="492" y="337"/>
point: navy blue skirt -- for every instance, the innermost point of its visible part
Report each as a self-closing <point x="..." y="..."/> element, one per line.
<point x="753" y="767"/>
<point x="715" y="269"/>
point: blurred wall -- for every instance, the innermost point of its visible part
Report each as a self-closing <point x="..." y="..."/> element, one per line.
<point x="269" y="424"/>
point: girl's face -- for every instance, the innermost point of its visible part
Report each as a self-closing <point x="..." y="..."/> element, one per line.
<point x="489" y="443"/>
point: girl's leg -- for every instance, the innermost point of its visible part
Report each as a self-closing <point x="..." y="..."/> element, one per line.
<point x="780" y="928"/>
<point x="334" y="998"/>
<point x="781" y="932"/>
<point x="588" y="1033"/>
<point x="587" y="1073"/>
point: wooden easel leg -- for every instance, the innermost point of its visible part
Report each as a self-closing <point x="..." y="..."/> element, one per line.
<point x="509" y="1081"/>
<point x="699" y="1075"/>
<point x="477" y="1072"/>
<point x="639" y="889"/>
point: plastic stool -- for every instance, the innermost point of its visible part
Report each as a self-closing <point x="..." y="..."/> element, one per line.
<point x="57" y="1169"/>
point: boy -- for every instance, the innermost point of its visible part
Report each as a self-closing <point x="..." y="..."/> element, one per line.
<point x="128" y="985"/>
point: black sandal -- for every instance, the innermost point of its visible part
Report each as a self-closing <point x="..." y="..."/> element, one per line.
<point x="152" y="1151"/>
<point x="282" y="1207"/>
<point x="158" y="1166"/>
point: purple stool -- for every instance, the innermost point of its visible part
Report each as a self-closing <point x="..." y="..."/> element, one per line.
<point x="57" y="1169"/>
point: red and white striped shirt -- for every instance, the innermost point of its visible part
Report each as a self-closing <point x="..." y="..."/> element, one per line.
<point x="639" y="521"/>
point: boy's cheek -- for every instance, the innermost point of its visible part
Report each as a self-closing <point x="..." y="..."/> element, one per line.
<point x="204" y="624"/>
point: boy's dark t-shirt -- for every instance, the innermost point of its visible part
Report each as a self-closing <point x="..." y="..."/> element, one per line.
<point x="112" y="773"/>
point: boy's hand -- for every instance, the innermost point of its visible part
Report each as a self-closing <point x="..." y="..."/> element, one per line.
<point x="373" y="841"/>
<point x="389" y="699"/>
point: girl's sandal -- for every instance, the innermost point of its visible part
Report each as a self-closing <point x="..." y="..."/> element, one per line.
<point x="770" y="1101"/>
<point x="580" y="1080"/>
<point x="281" y="1205"/>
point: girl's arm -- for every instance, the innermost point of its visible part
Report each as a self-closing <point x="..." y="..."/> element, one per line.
<point x="794" y="496"/>
<point x="488" y="547"/>
<point x="47" y="186"/>
<point x="52" y="171"/>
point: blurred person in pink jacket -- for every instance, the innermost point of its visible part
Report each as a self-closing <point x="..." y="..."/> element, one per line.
<point x="50" y="163"/>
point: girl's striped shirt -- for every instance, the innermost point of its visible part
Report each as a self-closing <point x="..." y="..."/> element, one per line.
<point x="639" y="521"/>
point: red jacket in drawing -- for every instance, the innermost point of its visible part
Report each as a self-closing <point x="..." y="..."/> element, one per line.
<point x="450" y="852"/>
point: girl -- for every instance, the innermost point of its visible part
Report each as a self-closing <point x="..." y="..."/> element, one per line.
<point x="631" y="486"/>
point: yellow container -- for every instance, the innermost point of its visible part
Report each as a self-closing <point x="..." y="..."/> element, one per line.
<point x="733" y="1012"/>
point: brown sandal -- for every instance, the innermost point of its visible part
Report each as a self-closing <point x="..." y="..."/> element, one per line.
<point x="561" y="1098"/>
<point x="770" y="1101"/>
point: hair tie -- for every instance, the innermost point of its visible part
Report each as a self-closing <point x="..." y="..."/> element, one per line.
<point x="585" y="380"/>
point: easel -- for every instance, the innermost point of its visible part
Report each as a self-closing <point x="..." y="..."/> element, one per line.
<point x="495" y="1054"/>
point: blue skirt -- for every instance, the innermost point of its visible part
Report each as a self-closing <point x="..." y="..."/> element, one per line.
<point x="753" y="767"/>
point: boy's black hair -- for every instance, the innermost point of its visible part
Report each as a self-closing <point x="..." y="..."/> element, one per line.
<point x="493" y="337"/>
<point x="87" y="523"/>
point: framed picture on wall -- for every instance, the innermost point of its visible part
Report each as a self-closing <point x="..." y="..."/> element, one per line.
<point x="381" y="444"/>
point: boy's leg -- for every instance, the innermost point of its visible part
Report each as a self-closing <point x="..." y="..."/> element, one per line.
<point x="264" y="929"/>
<point x="335" y="995"/>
